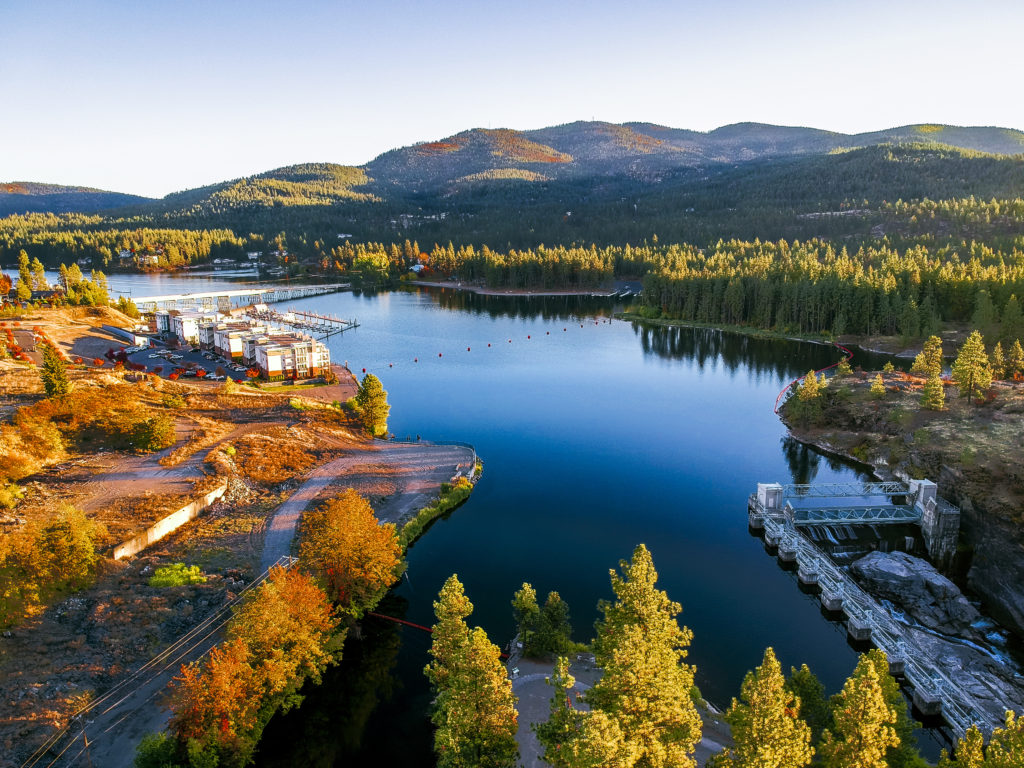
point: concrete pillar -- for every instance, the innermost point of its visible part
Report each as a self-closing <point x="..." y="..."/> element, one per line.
<point x="832" y="599"/>
<point x="787" y="548"/>
<point x="859" y="627"/>
<point x="927" y="700"/>
<point x="807" y="572"/>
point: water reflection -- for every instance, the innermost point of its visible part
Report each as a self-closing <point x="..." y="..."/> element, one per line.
<point x="329" y="728"/>
<point x="803" y="461"/>
<point x="530" y="307"/>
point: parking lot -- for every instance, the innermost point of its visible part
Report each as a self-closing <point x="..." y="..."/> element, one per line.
<point x="190" y="360"/>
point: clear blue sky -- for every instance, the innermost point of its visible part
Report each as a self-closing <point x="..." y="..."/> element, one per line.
<point x="153" y="97"/>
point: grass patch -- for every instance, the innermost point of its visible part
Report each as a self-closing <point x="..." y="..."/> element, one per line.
<point x="270" y="389"/>
<point x="177" y="575"/>
<point x="452" y="495"/>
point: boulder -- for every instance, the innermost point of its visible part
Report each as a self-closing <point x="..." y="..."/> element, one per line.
<point x="917" y="588"/>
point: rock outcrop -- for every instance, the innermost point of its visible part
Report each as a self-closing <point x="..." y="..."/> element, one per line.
<point x="917" y="588"/>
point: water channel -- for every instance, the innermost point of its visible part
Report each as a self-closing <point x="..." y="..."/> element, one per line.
<point x="596" y="435"/>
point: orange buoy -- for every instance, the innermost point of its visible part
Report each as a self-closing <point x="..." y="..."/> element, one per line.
<point x="564" y="329"/>
<point x="510" y="341"/>
<point x="364" y="370"/>
<point x="415" y="359"/>
<point x="439" y="354"/>
<point x="527" y="336"/>
<point x="467" y="349"/>
<point x="547" y="333"/>
<point x="488" y="344"/>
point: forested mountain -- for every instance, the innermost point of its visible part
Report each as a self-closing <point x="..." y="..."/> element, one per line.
<point x="582" y="183"/>
<point x="31" y="197"/>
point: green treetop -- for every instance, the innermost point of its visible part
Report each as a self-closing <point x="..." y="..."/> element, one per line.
<point x="767" y="730"/>
<point x="39" y="276"/>
<point x="474" y="707"/>
<point x="905" y="755"/>
<point x="646" y="686"/>
<point x="933" y="394"/>
<point x="971" y="370"/>
<point x="863" y="723"/>
<point x="878" y="387"/>
<point x="970" y="751"/>
<point x="810" y="388"/>
<point x="1015" y="361"/>
<point x="1013" y="320"/>
<point x="24" y="269"/>
<point x="54" y="373"/>
<point x="998" y="360"/>
<point x="562" y="727"/>
<point x="929" y="360"/>
<point x="372" y="400"/>
<point x="814" y="707"/>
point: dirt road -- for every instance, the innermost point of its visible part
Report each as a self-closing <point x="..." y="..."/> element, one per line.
<point x="114" y="729"/>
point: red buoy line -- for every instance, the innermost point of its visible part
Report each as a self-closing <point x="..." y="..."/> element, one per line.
<point x="785" y="389"/>
<point x="528" y="336"/>
<point x="409" y="624"/>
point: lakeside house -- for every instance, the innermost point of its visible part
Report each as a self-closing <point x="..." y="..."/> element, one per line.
<point x="276" y="354"/>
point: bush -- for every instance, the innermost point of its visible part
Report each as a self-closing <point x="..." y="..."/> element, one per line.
<point x="176" y="575"/>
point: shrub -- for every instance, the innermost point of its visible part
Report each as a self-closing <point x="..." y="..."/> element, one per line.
<point x="176" y="575"/>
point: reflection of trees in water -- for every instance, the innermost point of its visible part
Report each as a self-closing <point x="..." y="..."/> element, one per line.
<point x="545" y="307"/>
<point x="778" y="357"/>
<point x="803" y="462"/>
<point x="327" y="729"/>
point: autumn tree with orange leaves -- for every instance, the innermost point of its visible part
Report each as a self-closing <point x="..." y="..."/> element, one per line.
<point x="356" y="557"/>
<point x="280" y="637"/>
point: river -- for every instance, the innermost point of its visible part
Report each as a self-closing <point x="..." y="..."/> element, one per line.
<point x="596" y="435"/>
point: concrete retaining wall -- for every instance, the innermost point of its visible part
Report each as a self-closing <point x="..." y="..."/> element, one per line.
<point x="168" y="524"/>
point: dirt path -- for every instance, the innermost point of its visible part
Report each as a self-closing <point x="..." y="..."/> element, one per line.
<point x="414" y="474"/>
<point x="411" y="472"/>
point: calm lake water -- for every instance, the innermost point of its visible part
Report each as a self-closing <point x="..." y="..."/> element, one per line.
<point x="596" y="435"/>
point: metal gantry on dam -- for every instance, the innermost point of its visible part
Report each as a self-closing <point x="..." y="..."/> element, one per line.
<point x="771" y="512"/>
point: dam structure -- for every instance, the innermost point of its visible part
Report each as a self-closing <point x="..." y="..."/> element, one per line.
<point x="772" y="513"/>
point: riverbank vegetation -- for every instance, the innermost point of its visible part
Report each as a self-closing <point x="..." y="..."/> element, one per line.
<point x="286" y="633"/>
<point x="645" y="709"/>
<point x="452" y="495"/>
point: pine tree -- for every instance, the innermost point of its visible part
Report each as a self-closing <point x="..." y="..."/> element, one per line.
<point x="970" y="751"/>
<point x="564" y="722"/>
<point x="373" y="404"/>
<point x="814" y="707"/>
<point x="54" y="373"/>
<point x="985" y="316"/>
<point x="39" y="276"/>
<point x="1015" y="361"/>
<point x="933" y="394"/>
<point x="527" y="615"/>
<point x="971" y="370"/>
<point x="863" y="724"/>
<point x="646" y="686"/>
<point x="844" y="369"/>
<point x="1013" y="320"/>
<point x="767" y="730"/>
<point x="888" y="367"/>
<point x="24" y="270"/>
<point x="998" y="362"/>
<point x="474" y="708"/>
<point x="878" y="387"/>
<point x="1006" y="747"/>
<point x="906" y="755"/>
<point x="810" y="388"/>
<point x="929" y="360"/>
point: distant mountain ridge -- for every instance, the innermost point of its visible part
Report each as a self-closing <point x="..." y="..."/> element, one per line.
<point x="34" y="197"/>
<point x="629" y="155"/>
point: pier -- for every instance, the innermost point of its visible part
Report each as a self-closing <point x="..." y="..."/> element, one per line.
<point x="934" y="691"/>
<point x="221" y="300"/>
<point x="324" y="326"/>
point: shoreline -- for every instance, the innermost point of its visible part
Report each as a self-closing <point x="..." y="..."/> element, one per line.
<point x="483" y="291"/>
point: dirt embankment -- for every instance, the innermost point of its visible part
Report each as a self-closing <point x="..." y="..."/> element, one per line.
<point x="974" y="452"/>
